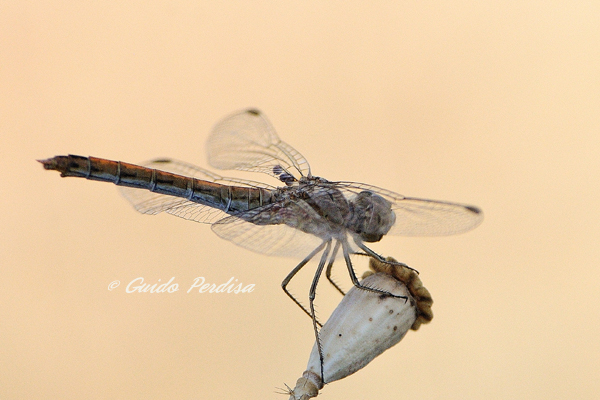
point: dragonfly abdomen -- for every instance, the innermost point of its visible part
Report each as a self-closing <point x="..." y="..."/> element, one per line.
<point x="230" y="199"/>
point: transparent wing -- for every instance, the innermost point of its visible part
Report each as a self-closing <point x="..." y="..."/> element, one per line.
<point x="148" y="202"/>
<point x="274" y="229"/>
<point x="247" y="141"/>
<point x="421" y="217"/>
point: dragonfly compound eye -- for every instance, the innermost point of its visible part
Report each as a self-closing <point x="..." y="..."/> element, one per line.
<point x="373" y="216"/>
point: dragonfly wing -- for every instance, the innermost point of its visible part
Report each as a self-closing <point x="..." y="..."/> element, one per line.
<point x="187" y="169"/>
<point x="148" y="202"/>
<point x="274" y="229"/>
<point x="247" y="141"/>
<point x="421" y="217"/>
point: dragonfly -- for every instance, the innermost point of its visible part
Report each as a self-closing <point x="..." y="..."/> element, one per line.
<point x="302" y="217"/>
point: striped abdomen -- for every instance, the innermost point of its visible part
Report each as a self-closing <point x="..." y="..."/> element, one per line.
<point x="230" y="199"/>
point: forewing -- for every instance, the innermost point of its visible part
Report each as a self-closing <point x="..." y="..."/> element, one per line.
<point x="421" y="217"/>
<point x="148" y="202"/>
<point x="247" y="141"/>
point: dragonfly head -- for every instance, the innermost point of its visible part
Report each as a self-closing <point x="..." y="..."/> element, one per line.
<point x="372" y="217"/>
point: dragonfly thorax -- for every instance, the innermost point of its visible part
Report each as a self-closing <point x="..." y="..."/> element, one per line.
<point x="371" y="216"/>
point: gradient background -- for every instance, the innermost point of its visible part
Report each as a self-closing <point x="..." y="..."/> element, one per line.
<point x="496" y="104"/>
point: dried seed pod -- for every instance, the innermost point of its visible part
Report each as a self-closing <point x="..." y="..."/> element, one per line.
<point x="412" y="281"/>
<point x="364" y="325"/>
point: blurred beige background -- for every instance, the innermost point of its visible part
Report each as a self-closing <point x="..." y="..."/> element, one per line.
<point x="489" y="103"/>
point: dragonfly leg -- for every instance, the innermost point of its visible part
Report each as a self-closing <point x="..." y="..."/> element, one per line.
<point x="330" y="266"/>
<point x="379" y="258"/>
<point x="346" y="250"/>
<point x="298" y="267"/>
<point x="311" y="301"/>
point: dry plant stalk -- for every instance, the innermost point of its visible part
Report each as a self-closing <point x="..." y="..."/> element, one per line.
<point x="365" y="324"/>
